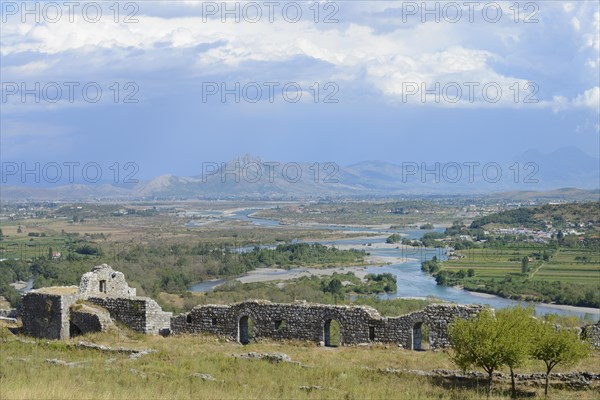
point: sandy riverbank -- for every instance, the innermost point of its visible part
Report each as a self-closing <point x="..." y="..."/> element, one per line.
<point x="275" y="274"/>
<point x="19" y="285"/>
<point x="379" y="227"/>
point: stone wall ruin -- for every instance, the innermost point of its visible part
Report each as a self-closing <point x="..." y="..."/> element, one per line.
<point x="104" y="296"/>
<point x="311" y="322"/>
<point x="54" y="312"/>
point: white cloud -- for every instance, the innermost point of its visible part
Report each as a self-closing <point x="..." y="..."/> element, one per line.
<point x="384" y="60"/>
<point x="590" y="99"/>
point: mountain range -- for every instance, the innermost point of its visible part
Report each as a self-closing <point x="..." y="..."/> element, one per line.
<point x="248" y="176"/>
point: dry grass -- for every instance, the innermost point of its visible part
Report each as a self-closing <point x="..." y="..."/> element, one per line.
<point x="58" y="290"/>
<point x="346" y="372"/>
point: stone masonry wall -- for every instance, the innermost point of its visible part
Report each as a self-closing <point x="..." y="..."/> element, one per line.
<point x="47" y="311"/>
<point x="592" y="333"/>
<point x="142" y="314"/>
<point x="303" y="321"/>
<point x="90" y="319"/>
<point x="157" y="320"/>
<point x="46" y="315"/>
<point x="114" y="283"/>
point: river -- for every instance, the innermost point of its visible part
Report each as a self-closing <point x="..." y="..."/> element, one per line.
<point x="411" y="281"/>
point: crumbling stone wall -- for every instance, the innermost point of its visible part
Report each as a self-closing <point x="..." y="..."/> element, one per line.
<point x="303" y="321"/>
<point x="102" y="280"/>
<point x="85" y="318"/>
<point x="46" y="315"/>
<point x="142" y="314"/>
<point x="592" y="333"/>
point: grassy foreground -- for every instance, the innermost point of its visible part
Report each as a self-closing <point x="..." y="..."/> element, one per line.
<point x="342" y="373"/>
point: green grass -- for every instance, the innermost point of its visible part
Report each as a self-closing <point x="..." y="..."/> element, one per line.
<point x="343" y="372"/>
<point x="22" y="246"/>
<point x="563" y="266"/>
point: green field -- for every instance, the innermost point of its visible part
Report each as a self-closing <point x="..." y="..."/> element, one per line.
<point x="564" y="267"/>
<point x="499" y="263"/>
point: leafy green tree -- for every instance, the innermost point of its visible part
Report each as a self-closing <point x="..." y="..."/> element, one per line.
<point x="555" y="344"/>
<point x="525" y="265"/>
<point x="478" y="342"/>
<point x="335" y="287"/>
<point x="516" y="337"/>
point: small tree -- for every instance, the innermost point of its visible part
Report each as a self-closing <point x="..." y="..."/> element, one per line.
<point x="516" y="336"/>
<point x="477" y="342"/>
<point x="556" y="345"/>
<point x="525" y="265"/>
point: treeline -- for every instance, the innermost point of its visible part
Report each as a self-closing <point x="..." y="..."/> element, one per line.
<point x="533" y="217"/>
<point x="12" y="271"/>
<point x="170" y="267"/>
<point x="43" y="272"/>
<point x="304" y="254"/>
<point x="429" y="239"/>
<point x="519" y="216"/>
<point x="538" y="290"/>
<point x="174" y="267"/>
<point x="313" y="289"/>
<point x="516" y="287"/>
<point x="340" y="286"/>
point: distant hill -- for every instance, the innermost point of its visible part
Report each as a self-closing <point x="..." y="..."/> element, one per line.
<point x="530" y="176"/>
<point x="586" y="214"/>
<point x="563" y="194"/>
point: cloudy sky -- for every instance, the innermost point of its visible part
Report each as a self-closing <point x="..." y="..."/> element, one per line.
<point x="171" y="84"/>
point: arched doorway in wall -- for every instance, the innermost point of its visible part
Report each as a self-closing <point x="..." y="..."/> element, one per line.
<point x="332" y="333"/>
<point x="245" y="329"/>
<point x="420" y="336"/>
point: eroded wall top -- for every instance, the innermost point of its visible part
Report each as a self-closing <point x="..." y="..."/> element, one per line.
<point x="103" y="281"/>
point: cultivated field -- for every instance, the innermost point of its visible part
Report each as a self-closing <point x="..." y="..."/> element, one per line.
<point x="563" y="266"/>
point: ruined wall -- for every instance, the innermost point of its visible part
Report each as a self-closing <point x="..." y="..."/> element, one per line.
<point x="46" y="315"/>
<point x="114" y="283"/>
<point x="157" y="320"/>
<point x="592" y="333"/>
<point x="439" y="317"/>
<point x="142" y="314"/>
<point x="303" y="321"/>
<point x="86" y="319"/>
<point x="47" y="311"/>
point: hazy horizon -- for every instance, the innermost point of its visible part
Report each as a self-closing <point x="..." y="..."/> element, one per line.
<point x="183" y="83"/>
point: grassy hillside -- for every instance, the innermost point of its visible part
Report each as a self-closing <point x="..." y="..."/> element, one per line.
<point x="559" y="215"/>
<point x="340" y="373"/>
